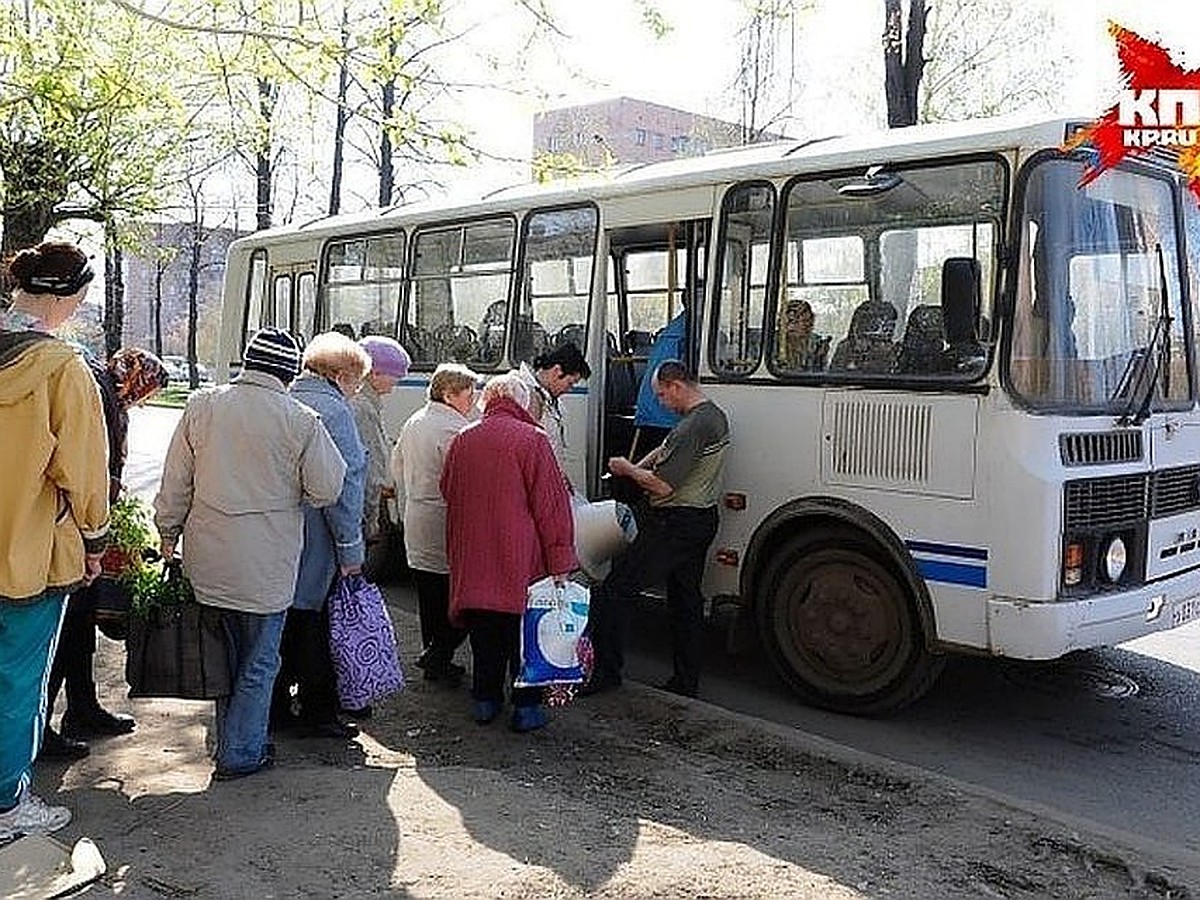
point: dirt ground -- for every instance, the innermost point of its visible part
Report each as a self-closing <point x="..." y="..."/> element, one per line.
<point x="634" y="794"/>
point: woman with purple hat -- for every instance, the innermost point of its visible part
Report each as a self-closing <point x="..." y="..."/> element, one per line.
<point x="389" y="364"/>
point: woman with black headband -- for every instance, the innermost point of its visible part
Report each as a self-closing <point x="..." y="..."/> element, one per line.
<point x="53" y="507"/>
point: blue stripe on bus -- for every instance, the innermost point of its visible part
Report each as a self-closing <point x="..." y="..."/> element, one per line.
<point x="947" y="549"/>
<point x="423" y="381"/>
<point x="952" y="573"/>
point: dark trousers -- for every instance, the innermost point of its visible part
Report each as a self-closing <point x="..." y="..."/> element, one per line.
<point x="671" y="546"/>
<point x="307" y="666"/>
<point x="496" y="657"/>
<point x="73" y="658"/>
<point x="439" y="638"/>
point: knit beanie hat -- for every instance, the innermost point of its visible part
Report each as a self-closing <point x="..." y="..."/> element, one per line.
<point x="387" y="356"/>
<point x="274" y="352"/>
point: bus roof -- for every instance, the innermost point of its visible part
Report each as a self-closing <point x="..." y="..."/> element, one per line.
<point x="778" y="158"/>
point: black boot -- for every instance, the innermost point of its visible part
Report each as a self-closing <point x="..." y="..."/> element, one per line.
<point x="95" y="722"/>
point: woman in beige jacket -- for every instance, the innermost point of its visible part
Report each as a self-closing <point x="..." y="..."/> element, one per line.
<point x="53" y="507"/>
<point x="417" y="468"/>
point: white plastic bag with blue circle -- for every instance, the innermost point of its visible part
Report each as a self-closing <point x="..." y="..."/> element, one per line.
<point x="554" y="621"/>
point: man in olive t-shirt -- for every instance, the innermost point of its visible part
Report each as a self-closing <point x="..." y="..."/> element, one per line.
<point x="682" y="481"/>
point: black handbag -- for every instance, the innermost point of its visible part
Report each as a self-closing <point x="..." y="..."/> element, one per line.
<point x="111" y="601"/>
<point x="178" y="650"/>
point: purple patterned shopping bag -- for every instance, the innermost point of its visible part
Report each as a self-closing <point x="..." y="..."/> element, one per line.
<point x="362" y="643"/>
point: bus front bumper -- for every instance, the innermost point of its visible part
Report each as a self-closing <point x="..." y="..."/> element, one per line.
<point x="1025" y="629"/>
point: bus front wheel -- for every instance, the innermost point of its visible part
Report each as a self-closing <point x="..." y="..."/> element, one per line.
<point x="840" y="626"/>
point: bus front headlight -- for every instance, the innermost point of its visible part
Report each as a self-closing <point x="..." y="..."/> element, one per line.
<point x="1115" y="557"/>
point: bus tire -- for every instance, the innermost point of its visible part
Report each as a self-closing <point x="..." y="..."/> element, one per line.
<point x="840" y="625"/>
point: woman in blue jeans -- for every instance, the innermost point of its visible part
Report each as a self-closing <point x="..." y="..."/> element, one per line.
<point x="243" y="461"/>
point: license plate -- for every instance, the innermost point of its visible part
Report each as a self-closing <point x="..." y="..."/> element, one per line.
<point x="1185" y="611"/>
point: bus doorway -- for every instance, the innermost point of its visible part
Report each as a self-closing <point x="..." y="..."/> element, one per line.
<point x="655" y="297"/>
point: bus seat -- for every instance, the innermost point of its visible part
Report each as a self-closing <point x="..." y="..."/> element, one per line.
<point x="961" y="311"/>
<point x="960" y="299"/>
<point x="620" y="390"/>
<point x="491" y="332"/>
<point x="571" y="334"/>
<point x="417" y="342"/>
<point x="455" y="343"/>
<point x="638" y="342"/>
<point x="922" y="350"/>
<point x="867" y="346"/>
<point x="530" y="340"/>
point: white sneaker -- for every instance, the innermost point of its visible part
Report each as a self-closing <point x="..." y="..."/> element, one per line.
<point x="32" y="816"/>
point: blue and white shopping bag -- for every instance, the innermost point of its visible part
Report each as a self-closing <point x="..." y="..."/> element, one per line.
<point x="554" y="620"/>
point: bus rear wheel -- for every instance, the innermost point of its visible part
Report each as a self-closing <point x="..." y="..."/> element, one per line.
<point x="840" y="626"/>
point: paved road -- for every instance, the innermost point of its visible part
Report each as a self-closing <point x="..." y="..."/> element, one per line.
<point x="1110" y="736"/>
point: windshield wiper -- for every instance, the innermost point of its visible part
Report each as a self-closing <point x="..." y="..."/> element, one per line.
<point x="1146" y="365"/>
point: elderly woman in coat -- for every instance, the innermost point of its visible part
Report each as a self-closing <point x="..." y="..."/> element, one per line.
<point x="306" y="690"/>
<point x="417" y="461"/>
<point x="244" y="460"/>
<point x="508" y="524"/>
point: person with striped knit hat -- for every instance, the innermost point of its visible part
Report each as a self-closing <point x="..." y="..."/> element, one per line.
<point x="243" y="461"/>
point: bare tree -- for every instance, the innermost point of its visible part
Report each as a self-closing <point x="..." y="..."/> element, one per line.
<point x="987" y="57"/>
<point x="903" y="60"/>
<point x="114" y="291"/>
<point x="341" y="113"/>
<point x="766" y="83"/>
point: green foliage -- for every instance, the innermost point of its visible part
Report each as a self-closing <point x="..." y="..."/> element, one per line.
<point x="131" y="526"/>
<point x="89" y="119"/>
<point x="653" y="19"/>
<point x="153" y="588"/>
<point x="549" y="167"/>
<point x="132" y="533"/>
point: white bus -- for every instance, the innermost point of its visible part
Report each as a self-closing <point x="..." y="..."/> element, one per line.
<point x="962" y="389"/>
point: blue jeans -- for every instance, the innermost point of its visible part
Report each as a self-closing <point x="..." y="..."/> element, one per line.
<point x="28" y="635"/>
<point x="243" y="717"/>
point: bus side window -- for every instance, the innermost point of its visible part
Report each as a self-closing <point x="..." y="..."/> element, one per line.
<point x="256" y="292"/>
<point x="747" y="213"/>
<point x="556" y="280"/>
<point x="460" y="273"/>
<point x="306" y="306"/>
<point x="363" y="278"/>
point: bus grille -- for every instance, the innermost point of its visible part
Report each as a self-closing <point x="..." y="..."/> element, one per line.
<point x="1176" y="491"/>
<point x="1094" y="448"/>
<point x="885" y="441"/>
<point x="1095" y="502"/>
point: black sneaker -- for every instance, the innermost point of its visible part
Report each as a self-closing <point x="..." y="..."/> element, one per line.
<point x="55" y="746"/>
<point x="98" y="722"/>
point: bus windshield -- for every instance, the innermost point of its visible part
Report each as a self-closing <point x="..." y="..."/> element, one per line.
<point x="1098" y="324"/>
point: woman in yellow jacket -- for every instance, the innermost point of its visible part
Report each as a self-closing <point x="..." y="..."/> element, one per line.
<point x="53" y="506"/>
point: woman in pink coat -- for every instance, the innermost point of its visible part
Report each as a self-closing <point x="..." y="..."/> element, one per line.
<point x="508" y="524"/>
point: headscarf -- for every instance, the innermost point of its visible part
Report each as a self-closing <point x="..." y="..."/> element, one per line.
<point x="139" y="374"/>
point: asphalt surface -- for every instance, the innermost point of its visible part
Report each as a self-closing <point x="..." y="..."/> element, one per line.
<point x="1109" y="739"/>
